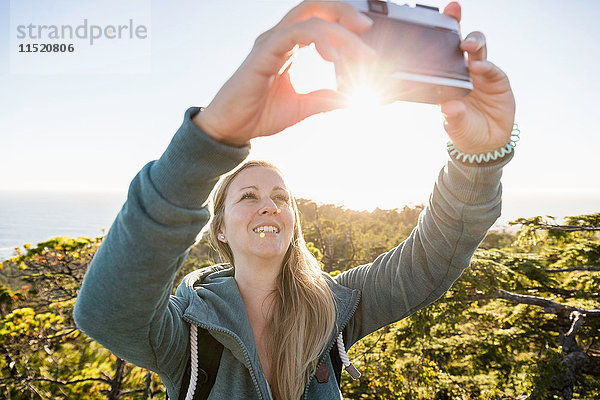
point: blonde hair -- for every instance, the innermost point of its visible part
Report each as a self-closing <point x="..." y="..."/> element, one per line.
<point x="304" y="314"/>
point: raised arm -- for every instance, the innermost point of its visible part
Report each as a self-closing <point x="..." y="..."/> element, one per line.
<point x="465" y="202"/>
<point x="124" y="300"/>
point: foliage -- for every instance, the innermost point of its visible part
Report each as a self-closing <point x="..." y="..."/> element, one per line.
<point x="475" y="343"/>
<point x="522" y="321"/>
<point x="43" y="354"/>
<point x="341" y="238"/>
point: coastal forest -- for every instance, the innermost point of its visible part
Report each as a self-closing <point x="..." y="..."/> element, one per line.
<point x="522" y="322"/>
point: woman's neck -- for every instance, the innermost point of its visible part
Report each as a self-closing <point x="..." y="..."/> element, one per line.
<point x="257" y="275"/>
<point x="257" y="287"/>
<point x="256" y="282"/>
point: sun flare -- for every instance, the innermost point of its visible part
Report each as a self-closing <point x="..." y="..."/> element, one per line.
<point x="309" y="72"/>
<point x="363" y="97"/>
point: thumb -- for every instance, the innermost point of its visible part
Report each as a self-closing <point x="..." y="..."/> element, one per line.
<point x="454" y="114"/>
<point x="319" y="101"/>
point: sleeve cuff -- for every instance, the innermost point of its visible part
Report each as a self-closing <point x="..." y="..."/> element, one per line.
<point x="472" y="183"/>
<point x="192" y="164"/>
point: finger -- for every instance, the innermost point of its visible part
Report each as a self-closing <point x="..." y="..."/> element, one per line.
<point x="454" y="112"/>
<point x="332" y="11"/>
<point x="453" y="10"/>
<point x="326" y="36"/>
<point x="486" y="70"/>
<point x="475" y="46"/>
<point x="318" y="102"/>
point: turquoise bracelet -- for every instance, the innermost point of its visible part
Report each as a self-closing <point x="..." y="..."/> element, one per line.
<point x="485" y="157"/>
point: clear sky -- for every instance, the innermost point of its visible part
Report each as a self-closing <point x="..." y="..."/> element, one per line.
<point x="94" y="129"/>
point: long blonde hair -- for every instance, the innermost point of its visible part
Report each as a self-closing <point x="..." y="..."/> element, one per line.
<point x="304" y="314"/>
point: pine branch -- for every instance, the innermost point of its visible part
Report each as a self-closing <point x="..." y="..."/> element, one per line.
<point x="558" y="291"/>
<point x="566" y="293"/>
<point x="71" y="329"/>
<point x="117" y="381"/>
<point x="549" y="306"/>
<point x="592" y="268"/>
<point x="570" y="228"/>
<point x="577" y="318"/>
<point x="70" y="382"/>
<point x="130" y="392"/>
<point x="34" y="379"/>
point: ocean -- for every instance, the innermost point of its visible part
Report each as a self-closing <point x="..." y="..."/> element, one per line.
<point x="33" y="217"/>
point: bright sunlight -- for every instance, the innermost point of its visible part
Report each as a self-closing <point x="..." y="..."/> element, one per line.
<point x="309" y="72"/>
<point x="399" y="134"/>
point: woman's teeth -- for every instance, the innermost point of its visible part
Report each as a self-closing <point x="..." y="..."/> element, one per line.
<point x="262" y="229"/>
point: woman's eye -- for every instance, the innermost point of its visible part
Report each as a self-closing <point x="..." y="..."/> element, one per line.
<point x="248" y="196"/>
<point x="282" y="198"/>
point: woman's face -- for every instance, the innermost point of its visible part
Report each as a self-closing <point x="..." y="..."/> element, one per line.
<point x="258" y="220"/>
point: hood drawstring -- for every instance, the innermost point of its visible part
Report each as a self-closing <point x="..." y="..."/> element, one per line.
<point x="194" y="362"/>
<point x="354" y="373"/>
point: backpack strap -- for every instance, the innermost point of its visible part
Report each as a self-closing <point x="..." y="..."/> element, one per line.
<point x="208" y="364"/>
<point x="206" y="357"/>
<point x="336" y="362"/>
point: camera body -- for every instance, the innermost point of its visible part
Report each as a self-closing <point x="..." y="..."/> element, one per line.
<point x="418" y="55"/>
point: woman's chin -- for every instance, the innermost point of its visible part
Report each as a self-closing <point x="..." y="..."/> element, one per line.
<point x="267" y="252"/>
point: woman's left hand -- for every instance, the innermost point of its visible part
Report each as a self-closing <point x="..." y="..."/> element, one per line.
<point x="483" y="120"/>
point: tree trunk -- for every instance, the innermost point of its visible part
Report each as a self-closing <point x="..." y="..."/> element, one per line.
<point x="117" y="380"/>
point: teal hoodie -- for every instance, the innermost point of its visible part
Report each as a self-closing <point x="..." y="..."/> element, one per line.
<point x="125" y="301"/>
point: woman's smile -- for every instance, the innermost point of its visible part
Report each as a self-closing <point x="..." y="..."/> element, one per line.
<point x="259" y="219"/>
<point x="265" y="231"/>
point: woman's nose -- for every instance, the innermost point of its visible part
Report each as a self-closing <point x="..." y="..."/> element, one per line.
<point x="269" y="207"/>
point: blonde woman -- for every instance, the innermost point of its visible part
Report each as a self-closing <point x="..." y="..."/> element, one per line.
<point x="279" y="320"/>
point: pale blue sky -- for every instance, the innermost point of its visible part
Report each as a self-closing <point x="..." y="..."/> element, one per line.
<point x="95" y="131"/>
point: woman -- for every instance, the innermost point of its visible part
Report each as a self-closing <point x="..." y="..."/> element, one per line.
<point x="270" y="308"/>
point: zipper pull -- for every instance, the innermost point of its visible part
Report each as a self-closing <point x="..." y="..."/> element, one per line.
<point x="351" y="369"/>
<point x="354" y="373"/>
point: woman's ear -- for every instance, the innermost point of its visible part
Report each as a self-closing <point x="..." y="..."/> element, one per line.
<point x="221" y="237"/>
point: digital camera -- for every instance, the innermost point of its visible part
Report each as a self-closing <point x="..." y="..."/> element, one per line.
<point x="418" y="55"/>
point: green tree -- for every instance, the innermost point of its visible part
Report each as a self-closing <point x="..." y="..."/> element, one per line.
<point x="521" y="323"/>
<point x="44" y="355"/>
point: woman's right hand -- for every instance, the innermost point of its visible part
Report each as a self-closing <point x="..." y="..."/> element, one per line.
<point x="259" y="100"/>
